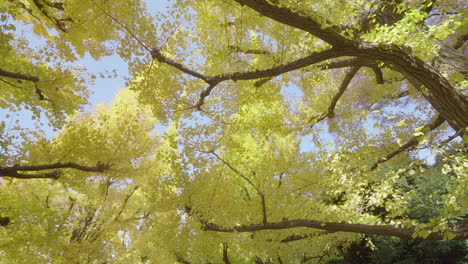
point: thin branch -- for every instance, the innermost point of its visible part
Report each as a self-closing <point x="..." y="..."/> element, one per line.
<point x="180" y="259"/>
<point x="122" y="25"/>
<point x="259" y="192"/>
<point x="459" y="229"/>
<point x="264" y="213"/>
<point x="344" y="84"/>
<point x="16" y="170"/>
<point x="452" y="137"/>
<point x="234" y="48"/>
<point x="400" y="94"/>
<point x="124" y="204"/>
<point x="12" y="84"/>
<point x="280" y="180"/>
<point x="79" y="233"/>
<point x="225" y="253"/>
<point x="236" y="171"/>
<point x="413" y="142"/>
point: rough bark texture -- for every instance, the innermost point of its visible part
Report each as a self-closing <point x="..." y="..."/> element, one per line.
<point x="439" y="92"/>
<point x="426" y="77"/>
<point x="17" y="171"/>
<point x="460" y="230"/>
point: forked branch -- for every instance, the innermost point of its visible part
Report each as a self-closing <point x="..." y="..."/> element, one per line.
<point x="212" y="81"/>
<point x="344" y="84"/>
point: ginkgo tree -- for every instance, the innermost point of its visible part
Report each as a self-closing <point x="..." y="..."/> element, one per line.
<point x="251" y="131"/>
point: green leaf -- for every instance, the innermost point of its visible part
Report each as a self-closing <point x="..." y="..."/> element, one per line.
<point x="449" y="235"/>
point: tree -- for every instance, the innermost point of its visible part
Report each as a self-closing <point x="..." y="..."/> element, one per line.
<point x="429" y="188"/>
<point x="289" y="129"/>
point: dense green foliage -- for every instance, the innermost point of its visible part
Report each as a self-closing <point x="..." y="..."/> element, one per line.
<point x="430" y="187"/>
<point x="250" y="131"/>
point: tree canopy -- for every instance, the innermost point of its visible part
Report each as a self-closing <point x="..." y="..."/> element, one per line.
<point x="250" y="131"/>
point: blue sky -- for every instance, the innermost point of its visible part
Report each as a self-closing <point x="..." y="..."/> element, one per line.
<point x="104" y="90"/>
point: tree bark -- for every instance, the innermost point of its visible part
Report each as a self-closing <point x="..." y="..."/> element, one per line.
<point x="460" y="229"/>
<point x="437" y="90"/>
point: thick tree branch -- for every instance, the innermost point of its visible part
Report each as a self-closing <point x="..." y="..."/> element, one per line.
<point x="447" y="100"/>
<point x="56" y="5"/>
<point x="19" y="76"/>
<point x="26" y="77"/>
<point x="460" y="229"/>
<point x="250" y="75"/>
<point x="440" y="93"/>
<point x="313" y="58"/>
<point x="46" y="175"/>
<point x="17" y="170"/>
<point x="378" y="74"/>
<point x="350" y="62"/>
<point x="205" y="93"/>
<point x="345" y="63"/>
<point x="297" y="237"/>
<point x="56" y="21"/>
<point x="156" y="54"/>
<point x="413" y="142"/>
<point x="386" y="13"/>
<point x="288" y="17"/>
